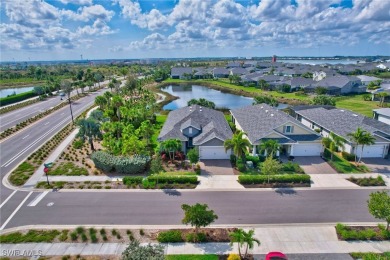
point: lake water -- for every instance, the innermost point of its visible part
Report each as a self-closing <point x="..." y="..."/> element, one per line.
<point x="188" y="92"/>
<point x="9" y="91"/>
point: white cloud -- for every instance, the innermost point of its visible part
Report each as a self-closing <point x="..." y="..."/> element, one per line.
<point x="77" y="2"/>
<point x="88" y="13"/>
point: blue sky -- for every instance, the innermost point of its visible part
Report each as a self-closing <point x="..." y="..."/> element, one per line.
<point x="118" y="29"/>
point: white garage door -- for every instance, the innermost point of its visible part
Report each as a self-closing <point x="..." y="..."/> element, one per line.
<point x="213" y="152"/>
<point x="307" y="149"/>
<point x="371" y="151"/>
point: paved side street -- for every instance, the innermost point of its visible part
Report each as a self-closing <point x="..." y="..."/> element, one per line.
<point x="288" y="239"/>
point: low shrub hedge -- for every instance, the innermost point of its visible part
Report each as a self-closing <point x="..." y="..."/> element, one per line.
<point x="378" y="181"/>
<point x="292" y="167"/>
<point x="16" y="98"/>
<point x="170" y="236"/>
<point x="174" y="179"/>
<point x="261" y="179"/>
<point x="196" y="237"/>
<point x="348" y="233"/>
<point x="348" y="156"/>
<point x="124" y="165"/>
<point x="370" y="256"/>
<point x="130" y="180"/>
<point x="32" y="236"/>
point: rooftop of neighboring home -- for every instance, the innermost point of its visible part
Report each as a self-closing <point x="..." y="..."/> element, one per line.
<point x="383" y="111"/>
<point x="239" y="71"/>
<point x="342" y="121"/>
<point x="260" y="121"/>
<point x="220" y="70"/>
<point x="180" y="70"/>
<point x="300" y="81"/>
<point x="212" y="124"/>
<point x="336" y="81"/>
<point x="365" y="78"/>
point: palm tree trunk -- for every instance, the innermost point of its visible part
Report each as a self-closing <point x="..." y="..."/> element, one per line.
<point x="239" y="249"/>
<point x="361" y="154"/>
<point x="246" y="251"/>
<point x="91" y="143"/>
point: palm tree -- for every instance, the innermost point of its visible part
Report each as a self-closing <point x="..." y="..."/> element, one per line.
<point x="271" y="147"/>
<point x="171" y="145"/>
<point x="361" y="137"/>
<point x="336" y="143"/>
<point x="101" y="101"/>
<point x="238" y="144"/>
<point x="66" y="86"/>
<point x="90" y="129"/>
<point x="242" y="237"/>
<point x="382" y="97"/>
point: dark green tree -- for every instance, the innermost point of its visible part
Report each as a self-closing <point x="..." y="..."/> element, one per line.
<point x="198" y="215"/>
<point x="379" y="206"/>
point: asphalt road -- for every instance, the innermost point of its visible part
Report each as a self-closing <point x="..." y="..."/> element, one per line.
<point x="164" y="208"/>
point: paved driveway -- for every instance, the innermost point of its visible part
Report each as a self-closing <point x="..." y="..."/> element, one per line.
<point x="377" y="165"/>
<point x="216" y="167"/>
<point x="314" y="165"/>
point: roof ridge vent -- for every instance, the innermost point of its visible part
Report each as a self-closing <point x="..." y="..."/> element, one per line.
<point x="266" y="111"/>
<point x="354" y="115"/>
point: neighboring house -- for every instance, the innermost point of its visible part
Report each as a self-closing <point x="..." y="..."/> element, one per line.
<point x="233" y="65"/>
<point x="198" y="127"/>
<point x="383" y="115"/>
<point x="221" y="73"/>
<point x="367" y="79"/>
<point x="319" y="75"/>
<point x="249" y="63"/>
<point x="180" y="72"/>
<point x="238" y="71"/>
<point x="340" y="84"/>
<point x="263" y="122"/>
<point x="342" y="122"/>
<point x="301" y="83"/>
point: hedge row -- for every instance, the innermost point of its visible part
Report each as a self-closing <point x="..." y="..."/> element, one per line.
<point x="262" y="179"/>
<point x="17" y="106"/>
<point x="123" y="165"/>
<point x="16" y="98"/>
<point x="130" y="180"/>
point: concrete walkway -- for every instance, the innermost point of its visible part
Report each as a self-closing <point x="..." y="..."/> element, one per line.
<point x="222" y="182"/>
<point x="288" y="239"/>
<point x="331" y="181"/>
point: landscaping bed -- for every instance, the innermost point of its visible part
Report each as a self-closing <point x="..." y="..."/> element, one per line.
<point x="376" y="233"/>
<point x="370" y="256"/>
<point x="275" y="181"/>
<point x="25" y="170"/>
<point x="341" y="165"/>
<point x="188" y="235"/>
<point x="370" y="181"/>
<point x="17" y="106"/>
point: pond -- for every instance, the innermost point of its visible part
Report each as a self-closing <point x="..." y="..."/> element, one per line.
<point x="188" y="92"/>
<point x="222" y="100"/>
<point x="9" y="91"/>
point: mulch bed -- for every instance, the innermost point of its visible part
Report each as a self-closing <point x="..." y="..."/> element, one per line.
<point x="212" y="234"/>
<point x="277" y="185"/>
<point x="377" y="230"/>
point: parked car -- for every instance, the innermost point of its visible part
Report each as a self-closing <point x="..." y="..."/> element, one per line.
<point x="275" y="256"/>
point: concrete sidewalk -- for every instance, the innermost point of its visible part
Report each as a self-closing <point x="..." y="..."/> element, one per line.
<point x="288" y="239"/>
<point x="222" y="182"/>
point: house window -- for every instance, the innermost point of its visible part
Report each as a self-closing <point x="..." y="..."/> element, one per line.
<point x="288" y="129"/>
<point x="190" y="130"/>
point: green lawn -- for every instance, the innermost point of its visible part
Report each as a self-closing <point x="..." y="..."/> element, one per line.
<point x="68" y="169"/>
<point x="343" y="166"/>
<point x="357" y="104"/>
<point x="191" y="257"/>
<point x="160" y="120"/>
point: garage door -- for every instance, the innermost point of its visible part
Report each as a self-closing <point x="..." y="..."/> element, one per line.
<point x="307" y="149"/>
<point x="371" y="151"/>
<point x="213" y="152"/>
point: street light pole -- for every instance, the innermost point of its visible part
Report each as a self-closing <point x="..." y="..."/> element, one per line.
<point x="71" y="112"/>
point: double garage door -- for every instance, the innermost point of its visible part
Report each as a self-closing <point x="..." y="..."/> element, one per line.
<point x="371" y="151"/>
<point x="213" y="152"/>
<point x="307" y="149"/>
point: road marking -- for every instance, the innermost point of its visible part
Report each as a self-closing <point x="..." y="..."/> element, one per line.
<point x="15" y="211"/>
<point x="47" y="123"/>
<point x="38" y="199"/>
<point x="7" y="199"/>
<point x="25" y="136"/>
<point x="50" y="204"/>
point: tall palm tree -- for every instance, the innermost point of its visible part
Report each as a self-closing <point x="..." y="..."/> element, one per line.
<point x="361" y="137"/>
<point x="66" y="86"/>
<point x="238" y="144"/>
<point x="90" y="129"/>
<point x="242" y="237"/>
<point x="337" y="142"/>
<point x="271" y="147"/>
<point x="101" y="101"/>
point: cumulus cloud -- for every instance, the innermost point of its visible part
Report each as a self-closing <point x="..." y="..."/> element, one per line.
<point x="77" y="2"/>
<point x="88" y="13"/>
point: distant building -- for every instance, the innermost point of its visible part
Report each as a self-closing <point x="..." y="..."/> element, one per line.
<point x="274" y="58"/>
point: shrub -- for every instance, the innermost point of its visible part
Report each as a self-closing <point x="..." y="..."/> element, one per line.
<point x="292" y="167"/>
<point x="141" y="232"/>
<point x="254" y="159"/>
<point x="78" y="144"/>
<point x="102" y="231"/>
<point x="103" y="161"/>
<point x="130" y="180"/>
<point x="234" y="257"/>
<point x="261" y="179"/>
<point x="114" y="232"/>
<point x="80" y="230"/>
<point x="64" y="235"/>
<point x="73" y="236"/>
<point x="197" y="169"/>
<point x="170" y="236"/>
<point x="94" y="239"/>
<point x="123" y="165"/>
<point x="16" y="98"/>
<point x="196" y="237"/>
<point x="84" y="237"/>
<point x="348" y="156"/>
<point x="233" y="159"/>
<point x="183" y="179"/>
<point x="241" y="166"/>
